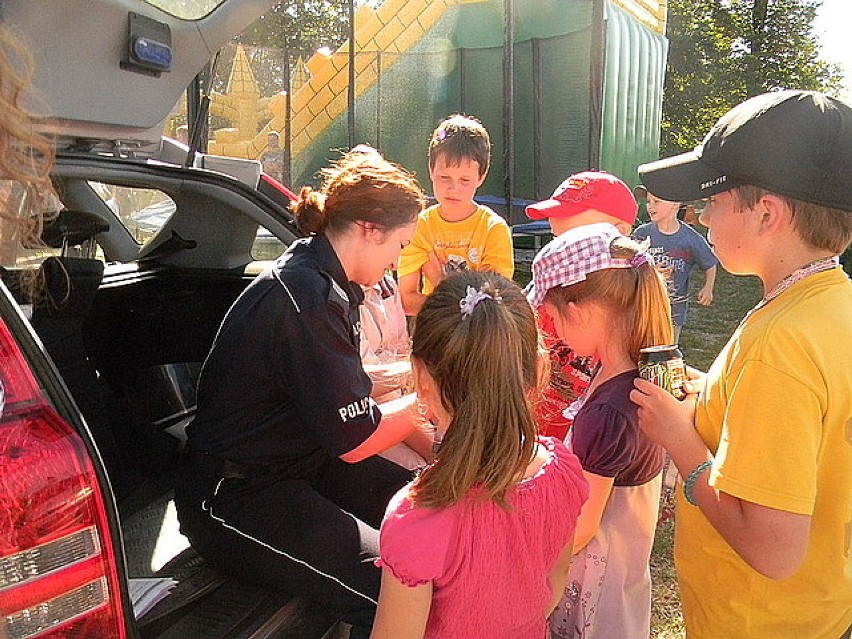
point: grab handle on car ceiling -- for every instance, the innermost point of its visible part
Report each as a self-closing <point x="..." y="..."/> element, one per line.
<point x="171" y="246"/>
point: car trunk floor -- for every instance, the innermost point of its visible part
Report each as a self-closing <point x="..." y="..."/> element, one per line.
<point x="206" y="604"/>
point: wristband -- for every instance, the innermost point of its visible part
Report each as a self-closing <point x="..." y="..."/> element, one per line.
<point x="689" y="484"/>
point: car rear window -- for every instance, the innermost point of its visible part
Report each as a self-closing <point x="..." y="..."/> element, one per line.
<point x="142" y="211"/>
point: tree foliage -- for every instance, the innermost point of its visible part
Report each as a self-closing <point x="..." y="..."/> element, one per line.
<point x="301" y="26"/>
<point x="724" y="51"/>
<point x="283" y="34"/>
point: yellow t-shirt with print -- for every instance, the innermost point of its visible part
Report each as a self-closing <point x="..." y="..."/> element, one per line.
<point x="776" y="413"/>
<point x="480" y="242"/>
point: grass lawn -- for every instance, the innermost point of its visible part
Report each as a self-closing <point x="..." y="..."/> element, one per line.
<point x="706" y="331"/>
<point x="709" y="327"/>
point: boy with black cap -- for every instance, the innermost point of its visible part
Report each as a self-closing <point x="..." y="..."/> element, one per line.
<point x="764" y="526"/>
<point x="588" y="197"/>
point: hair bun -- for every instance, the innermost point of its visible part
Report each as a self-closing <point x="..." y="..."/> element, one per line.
<point x="309" y="211"/>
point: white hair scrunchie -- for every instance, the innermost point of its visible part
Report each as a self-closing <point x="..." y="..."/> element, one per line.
<point x="474" y="297"/>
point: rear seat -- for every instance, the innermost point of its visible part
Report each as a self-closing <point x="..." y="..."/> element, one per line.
<point x="69" y="283"/>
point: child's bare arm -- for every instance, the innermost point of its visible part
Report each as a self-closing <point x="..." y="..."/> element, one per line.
<point x="592" y="511"/>
<point x="412" y="298"/>
<point x="773" y="542"/>
<point x="705" y="295"/>
<point x="558" y="577"/>
<point x="402" y="611"/>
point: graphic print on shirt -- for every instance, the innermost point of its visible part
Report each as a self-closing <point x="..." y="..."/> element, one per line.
<point x="456" y="254"/>
<point x="670" y="264"/>
<point x="570" y="373"/>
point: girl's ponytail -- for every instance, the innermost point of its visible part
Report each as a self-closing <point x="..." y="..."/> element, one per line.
<point x="651" y="318"/>
<point x="476" y="335"/>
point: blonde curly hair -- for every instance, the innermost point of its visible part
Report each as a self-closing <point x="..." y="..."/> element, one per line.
<point x="25" y="156"/>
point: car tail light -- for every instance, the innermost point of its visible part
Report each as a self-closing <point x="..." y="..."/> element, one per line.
<point x="58" y="577"/>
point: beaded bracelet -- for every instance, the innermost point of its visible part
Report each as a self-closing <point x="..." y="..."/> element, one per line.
<point x="689" y="484"/>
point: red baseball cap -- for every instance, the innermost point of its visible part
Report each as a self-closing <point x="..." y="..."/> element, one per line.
<point x="581" y="192"/>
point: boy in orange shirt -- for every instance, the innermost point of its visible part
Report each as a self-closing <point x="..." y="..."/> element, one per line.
<point x="456" y="233"/>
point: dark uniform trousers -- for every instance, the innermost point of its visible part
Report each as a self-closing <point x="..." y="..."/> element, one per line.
<point x="315" y="537"/>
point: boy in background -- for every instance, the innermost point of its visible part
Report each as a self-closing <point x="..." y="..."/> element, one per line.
<point x="456" y="234"/>
<point x="584" y="198"/>
<point x="273" y="158"/>
<point x="677" y="248"/>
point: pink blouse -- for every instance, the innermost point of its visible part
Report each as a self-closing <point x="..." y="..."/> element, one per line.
<point x="488" y="565"/>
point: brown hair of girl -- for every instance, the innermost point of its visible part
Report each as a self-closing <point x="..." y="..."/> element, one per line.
<point x="636" y="296"/>
<point x="487" y="366"/>
<point x="362" y="188"/>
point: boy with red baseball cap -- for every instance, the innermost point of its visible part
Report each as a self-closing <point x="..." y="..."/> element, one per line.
<point x="587" y="198"/>
<point x="584" y="198"/>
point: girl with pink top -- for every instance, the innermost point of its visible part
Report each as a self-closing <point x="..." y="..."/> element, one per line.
<point x="479" y="544"/>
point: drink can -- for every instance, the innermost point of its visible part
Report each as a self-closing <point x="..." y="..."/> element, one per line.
<point x="663" y="366"/>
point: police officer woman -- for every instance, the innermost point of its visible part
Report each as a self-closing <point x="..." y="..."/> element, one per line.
<point x="284" y="486"/>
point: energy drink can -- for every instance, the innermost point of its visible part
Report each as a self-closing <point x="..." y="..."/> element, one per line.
<point x="663" y="366"/>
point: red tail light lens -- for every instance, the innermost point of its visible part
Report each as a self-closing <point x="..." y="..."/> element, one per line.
<point x="58" y="577"/>
<point x="18" y="384"/>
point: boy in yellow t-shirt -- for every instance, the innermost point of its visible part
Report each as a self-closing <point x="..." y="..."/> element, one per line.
<point x="457" y="233"/>
<point x="763" y="547"/>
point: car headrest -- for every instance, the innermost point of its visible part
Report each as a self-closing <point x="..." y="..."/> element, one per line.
<point x="73" y="228"/>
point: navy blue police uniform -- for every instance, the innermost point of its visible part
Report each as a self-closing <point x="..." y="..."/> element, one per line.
<point x="282" y="394"/>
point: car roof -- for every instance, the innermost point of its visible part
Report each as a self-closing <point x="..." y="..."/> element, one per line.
<point x="97" y="74"/>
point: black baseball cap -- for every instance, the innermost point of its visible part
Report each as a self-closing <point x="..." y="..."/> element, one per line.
<point x="793" y="143"/>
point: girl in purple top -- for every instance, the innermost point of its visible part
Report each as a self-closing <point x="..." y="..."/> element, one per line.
<point x="479" y="544"/>
<point x="607" y="300"/>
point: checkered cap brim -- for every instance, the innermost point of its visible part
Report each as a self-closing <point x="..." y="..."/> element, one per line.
<point x="569" y="258"/>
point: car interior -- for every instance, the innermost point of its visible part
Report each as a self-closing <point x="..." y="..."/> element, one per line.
<point x="148" y="247"/>
<point x="131" y="303"/>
